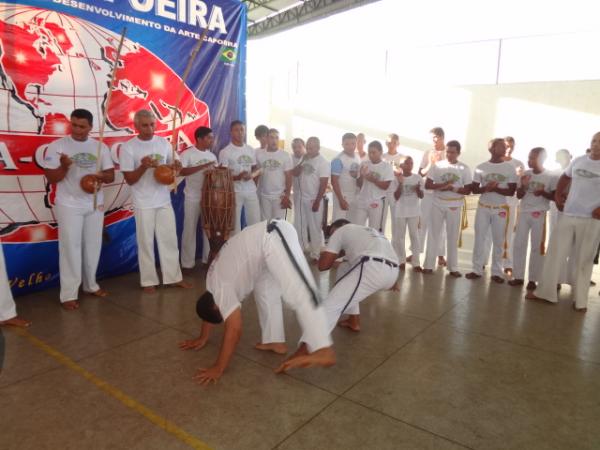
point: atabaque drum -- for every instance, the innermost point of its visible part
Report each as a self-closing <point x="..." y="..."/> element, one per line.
<point x="218" y="206"/>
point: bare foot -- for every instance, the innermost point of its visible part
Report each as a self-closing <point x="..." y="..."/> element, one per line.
<point x="497" y="279"/>
<point x="508" y="271"/>
<point x="531" y="286"/>
<point x="276" y="347"/>
<point x="472" y="276"/>
<point x="441" y="261"/>
<point x="71" y="305"/>
<point x="16" y="322"/>
<point x="427" y="271"/>
<point x="180" y="284"/>
<point x="395" y="287"/>
<point x="455" y="274"/>
<point x="324" y="357"/>
<point x="516" y="282"/>
<point x="149" y="289"/>
<point x="352" y="323"/>
<point x="403" y="266"/>
<point x="409" y="259"/>
<point x="417" y="269"/>
<point x="99" y="293"/>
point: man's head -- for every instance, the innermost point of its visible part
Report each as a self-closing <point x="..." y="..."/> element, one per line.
<point x="563" y="157"/>
<point x="349" y="143"/>
<point x="536" y="158"/>
<point x="392" y="142"/>
<point x="335" y="225"/>
<point x="144" y="121"/>
<point x="298" y="147"/>
<point x="360" y="141"/>
<point x="207" y="309"/>
<point x="510" y="145"/>
<point x="375" y="151"/>
<point x="273" y="140"/>
<point x="595" y="146"/>
<point x="313" y="145"/>
<point x="261" y="133"/>
<point x="237" y="130"/>
<point x="407" y="165"/>
<point x="204" y="138"/>
<point x="452" y="151"/>
<point x="497" y="148"/>
<point x="81" y="124"/>
<point x="437" y="136"/>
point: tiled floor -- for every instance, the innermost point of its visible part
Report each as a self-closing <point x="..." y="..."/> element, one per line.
<point x="444" y="364"/>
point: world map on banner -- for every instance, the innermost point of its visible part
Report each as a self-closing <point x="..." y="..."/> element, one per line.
<point x="50" y="64"/>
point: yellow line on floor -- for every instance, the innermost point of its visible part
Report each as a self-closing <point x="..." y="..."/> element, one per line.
<point x="157" y="420"/>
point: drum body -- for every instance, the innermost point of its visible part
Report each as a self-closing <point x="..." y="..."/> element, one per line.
<point x="218" y="206"/>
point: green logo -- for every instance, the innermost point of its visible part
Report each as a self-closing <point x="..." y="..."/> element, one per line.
<point x="271" y="164"/>
<point x="449" y="176"/>
<point x="228" y="54"/>
<point x="498" y="177"/>
<point x="586" y="173"/>
<point x="84" y="160"/>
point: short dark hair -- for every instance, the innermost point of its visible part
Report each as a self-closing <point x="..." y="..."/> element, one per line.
<point x="494" y="141"/>
<point x="81" y="113"/>
<point x="261" y="130"/>
<point x="376" y="144"/>
<point x="335" y="225"/>
<point x="207" y="309"/>
<point x="202" y="132"/>
<point x="236" y="122"/>
<point x="438" y="131"/>
<point x="454" y="144"/>
<point x="510" y="139"/>
<point x="541" y="151"/>
<point x="273" y="130"/>
<point x="348" y="136"/>
<point x="299" y="140"/>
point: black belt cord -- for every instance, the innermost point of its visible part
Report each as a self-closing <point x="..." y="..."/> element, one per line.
<point x="315" y="297"/>
<point x="382" y="215"/>
<point x="361" y="263"/>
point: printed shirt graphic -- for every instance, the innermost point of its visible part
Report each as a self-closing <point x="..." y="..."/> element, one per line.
<point x="409" y="204"/>
<point x="147" y="192"/>
<point x="583" y="196"/>
<point x="272" y="177"/>
<point x="546" y="181"/>
<point x="83" y="155"/>
<point x="239" y="159"/>
<point x="192" y="157"/>
<point x="346" y="168"/>
<point x="357" y="241"/>
<point x="503" y="172"/>
<point x="313" y="169"/>
<point x="459" y="174"/>
<point x="369" y="192"/>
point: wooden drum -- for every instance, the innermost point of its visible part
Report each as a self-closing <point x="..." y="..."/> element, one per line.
<point x="218" y="207"/>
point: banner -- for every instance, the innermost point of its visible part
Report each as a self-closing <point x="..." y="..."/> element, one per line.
<point x="58" y="55"/>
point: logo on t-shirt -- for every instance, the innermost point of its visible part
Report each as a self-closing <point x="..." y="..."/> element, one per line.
<point x="449" y="176"/>
<point x="376" y="175"/>
<point x="244" y="160"/>
<point x="271" y="164"/>
<point x="535" y="186"/>
<point x="354" y="167"/>
<point x="586" y="173"/>
<point x="157" y="157"/>
<point x="498" y="177"/>
<point x="84" y="160"/>
<point x="308" y="169"/>
<point x="409" y="189"/>
<point x="202" y="162"/>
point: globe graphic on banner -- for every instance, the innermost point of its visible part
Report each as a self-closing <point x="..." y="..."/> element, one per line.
<point x="52" y="63"/>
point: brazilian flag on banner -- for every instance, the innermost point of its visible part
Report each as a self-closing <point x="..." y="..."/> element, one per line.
<point x="228" y="54"/>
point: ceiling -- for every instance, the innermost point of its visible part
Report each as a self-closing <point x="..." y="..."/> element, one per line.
<point x="266" y="17"/>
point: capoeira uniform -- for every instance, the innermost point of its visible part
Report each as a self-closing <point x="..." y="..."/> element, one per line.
<point x="371" y="266"/>
<point x="447" y="207"/>
<point x="242" y="159"/>
<point x="313" y="170"/>
<point x="79" y="224"/>
<point x="394" y="160"/>
<point x="299" y="224"/>
<point x="372" y="201"/>
<point x="346" y="168"/>
<point x="532" y="219"/>
<point x="154" y="216"/>
<point x="407" y="212"/>
<point x="193" y="157"/>
<point x="577" y="225"/>
<point x="492" y="213"/>
<point x="271" y="185"/>
<point x="427" y="205"/>
<point x="8" y="309"/>
<point x="266" y="257"/>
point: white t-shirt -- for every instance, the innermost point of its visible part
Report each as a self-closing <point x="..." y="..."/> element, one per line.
<point x="502" y="172"/>
<point x="147" y="192"/>
<point x="358" y="240"/>
<point x="237" y="266"/>
<point x="239" y="159"/>
<point x="518" y="165"/>
<point x="83" y="154"/>
<point x="369" y="192"/>
<point x="272" y="177"/>
<point x="313" y="169"/>
<point x="425" y="163"/>
<point x="546" y="181"/>
<point x="395" y="161"/>
<point x="346" y="168"/>
<point x="442" y="172"/>
<point x="193" y="157"/>
<point x="583" y="195"/>
<point x="409" y="203"/>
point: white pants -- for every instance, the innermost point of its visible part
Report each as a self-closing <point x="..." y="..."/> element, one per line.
<point x="296" y="294"/>
<point x="79" y="245"/>
<point x="270" y="208"/>
<point x="451" y="217"/>
<point x="8" y="309"/>
<point x="339" y="213"/>
<point x="157" y="223"/>
<point x="400" y="226"/>
<point x="507" y="261"/>
<point x="425" y="223"/>
<point x="374" y="211"/>
<point x="191" y="216"/>
<point x="391" y="201"/>
<point x="313" y="221"/>
<point x="248" y="201"/>
<point x="529" y="223"/>
<point x="300" y="223"/>
<point x="496" y="220"/>
<point x="586" y="234"/>
<point x="354" y="284"/>
<point x="267" y="296"/>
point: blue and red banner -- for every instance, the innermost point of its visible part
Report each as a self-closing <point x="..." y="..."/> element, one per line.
<point x="58" y="55"/>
